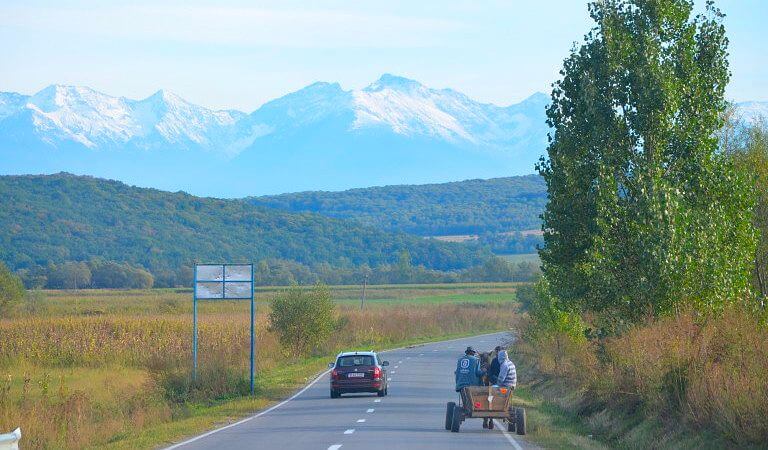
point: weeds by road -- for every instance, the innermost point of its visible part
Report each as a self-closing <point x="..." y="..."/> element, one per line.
<point x="73" y="377"/>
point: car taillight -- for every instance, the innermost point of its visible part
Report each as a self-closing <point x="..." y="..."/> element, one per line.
<point x="334" y="374"/>
<point x="376" y="373"/>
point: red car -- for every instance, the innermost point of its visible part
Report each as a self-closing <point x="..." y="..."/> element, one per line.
<point x="358" y="372"/>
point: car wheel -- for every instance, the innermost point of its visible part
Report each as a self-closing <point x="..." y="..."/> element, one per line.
<point x="381" y="393"/>
<point x="335" y="393"/>
<point x="449" y="415"/>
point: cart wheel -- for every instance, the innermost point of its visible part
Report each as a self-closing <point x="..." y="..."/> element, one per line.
<point x="511" y="420"/>
<point x="490" y="423"/>
<point x="520" y="420"/>
<point x="449" y="415"/>
<point x="458" y="416"/>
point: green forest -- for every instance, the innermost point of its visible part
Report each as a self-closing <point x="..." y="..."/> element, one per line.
<point x="465" y="207"/>
<point x="48" y="223"/>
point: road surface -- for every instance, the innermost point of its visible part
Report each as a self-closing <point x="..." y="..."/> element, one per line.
<point x="411" y="416"/>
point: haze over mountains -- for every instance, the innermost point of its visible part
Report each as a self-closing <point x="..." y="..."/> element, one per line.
<point x="321" y="137"/>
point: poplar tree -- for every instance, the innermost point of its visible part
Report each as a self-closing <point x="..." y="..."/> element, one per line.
<point x="644" y="213"/>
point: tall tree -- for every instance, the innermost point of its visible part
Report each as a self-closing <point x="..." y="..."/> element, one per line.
<point x="644" y="212"/>
<point x="747" y="143"/>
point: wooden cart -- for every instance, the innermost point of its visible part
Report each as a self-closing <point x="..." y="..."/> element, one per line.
<point x="486" y="402"/>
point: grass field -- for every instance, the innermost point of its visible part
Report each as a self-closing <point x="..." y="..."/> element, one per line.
<point x="524" y="257"/>
<point x="104" y="368"/>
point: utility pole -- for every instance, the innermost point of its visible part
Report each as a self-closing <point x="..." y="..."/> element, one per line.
<point x="365" y="283"/>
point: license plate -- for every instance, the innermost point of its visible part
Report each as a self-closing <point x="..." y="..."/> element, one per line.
<point x="355" y="375"/>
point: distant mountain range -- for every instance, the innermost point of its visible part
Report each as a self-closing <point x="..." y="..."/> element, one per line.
<point x="395" y="130"/>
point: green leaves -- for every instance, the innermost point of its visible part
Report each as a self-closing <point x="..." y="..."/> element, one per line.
<point x="302" y="319"/>
<point x="644" y="214"/>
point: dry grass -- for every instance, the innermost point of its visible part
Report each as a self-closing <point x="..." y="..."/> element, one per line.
<point x="705" y="376"/>
<point x="88" y="379"/>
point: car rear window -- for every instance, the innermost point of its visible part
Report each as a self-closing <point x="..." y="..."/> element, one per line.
<point x="355" y="360"/>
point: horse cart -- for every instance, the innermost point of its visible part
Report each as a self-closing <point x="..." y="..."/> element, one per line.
<point x="488" y="403"/>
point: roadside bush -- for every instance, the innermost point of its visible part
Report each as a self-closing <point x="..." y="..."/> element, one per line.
<point x="11" y="290"/>
<point x="681" y="372"/>
<point x="302" y="319"/>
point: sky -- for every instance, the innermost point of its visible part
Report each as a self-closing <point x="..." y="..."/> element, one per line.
<point x="228" y="54"/>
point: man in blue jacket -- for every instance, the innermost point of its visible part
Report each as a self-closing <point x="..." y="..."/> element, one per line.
<point x="468" y="371"/>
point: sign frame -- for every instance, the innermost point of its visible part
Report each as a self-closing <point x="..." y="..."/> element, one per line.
<point x="223" y="280"/>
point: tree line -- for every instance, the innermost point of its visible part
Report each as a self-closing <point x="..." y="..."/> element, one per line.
<point x="272" y="272"/>
<point x="465" y="207"/>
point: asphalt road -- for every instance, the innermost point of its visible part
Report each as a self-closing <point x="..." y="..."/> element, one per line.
<point x="411" y="416"/>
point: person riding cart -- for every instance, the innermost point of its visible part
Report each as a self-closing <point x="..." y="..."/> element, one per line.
<point x="507" y="372"/>
<point x="468" y="370"/>
<point x="484" y="402"/>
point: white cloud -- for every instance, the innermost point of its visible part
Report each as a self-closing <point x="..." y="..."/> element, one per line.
<point x="240" y="26"/>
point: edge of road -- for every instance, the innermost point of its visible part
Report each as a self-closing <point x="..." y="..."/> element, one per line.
<point x="317" y="378"/>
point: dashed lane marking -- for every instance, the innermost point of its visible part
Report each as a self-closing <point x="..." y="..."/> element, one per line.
<point x="378" y="400"/>
<point x="334" y="447"/>
<point x="370" y="410"/>
<point x="360" y="420"/>
<point x="350" y="431"/>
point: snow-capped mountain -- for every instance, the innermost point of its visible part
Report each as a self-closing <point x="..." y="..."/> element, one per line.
<point x="73" y="114"/>
<point x="393" y="131"/>
<point x="752" y="111"/>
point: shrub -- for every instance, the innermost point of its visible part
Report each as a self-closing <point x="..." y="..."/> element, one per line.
<point x="302" y="319"/>
<point x="11" y="290"/>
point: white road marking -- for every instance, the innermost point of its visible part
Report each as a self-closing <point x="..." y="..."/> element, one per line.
<point x="378" y="400"/>
<point x="394" y="371"/>
<point x="360" y="420"/>
<point x="507" y="435"/>
<point x="396" y="367"/>
<point x="434" y="350"/>
<point x="334" y="447"/>
<point x="421" y="354"/>
<point x="399" y="362"/>
<point x="370" y="410"/>
<point x="304" y="389"/>
<point x="350" y="431"/>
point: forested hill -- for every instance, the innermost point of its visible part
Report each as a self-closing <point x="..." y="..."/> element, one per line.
<point x="54" y="218"/>
<point x="463" y="207"/>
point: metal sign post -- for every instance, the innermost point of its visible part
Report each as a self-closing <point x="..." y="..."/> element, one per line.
<point x="224" y="282"/>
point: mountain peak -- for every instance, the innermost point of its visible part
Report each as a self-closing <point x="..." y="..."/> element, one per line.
<point x="166" y="96"/>
<point x="393" y="82"/>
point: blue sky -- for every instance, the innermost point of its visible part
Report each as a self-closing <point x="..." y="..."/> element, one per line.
<point x="241" y="54"/>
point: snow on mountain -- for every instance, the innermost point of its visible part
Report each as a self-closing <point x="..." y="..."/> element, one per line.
<point x="409" y="108"/>
<point x="61" y="114"/>
<point x="752" y="111"/>
<point x="395" y="130"/>
<point x="10" y="103"/>
<point x="98" y="121"/>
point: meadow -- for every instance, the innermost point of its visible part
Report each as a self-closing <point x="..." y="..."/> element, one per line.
<point x="111" y="368"/>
